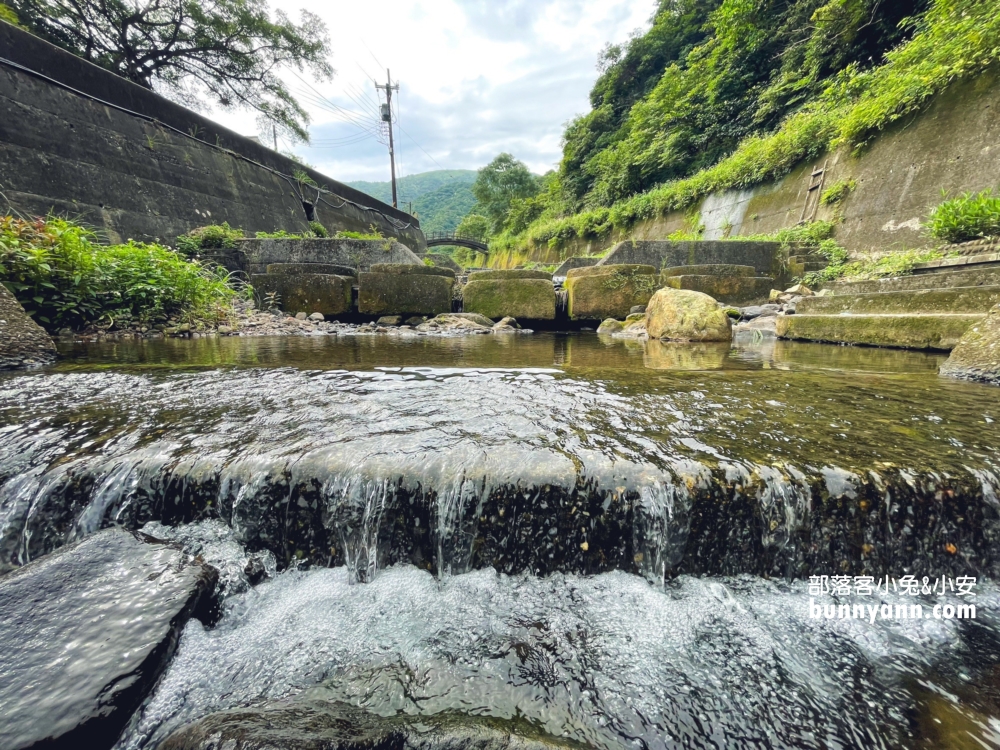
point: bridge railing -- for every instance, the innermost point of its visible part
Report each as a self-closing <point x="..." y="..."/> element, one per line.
<point x="443" y="237"/>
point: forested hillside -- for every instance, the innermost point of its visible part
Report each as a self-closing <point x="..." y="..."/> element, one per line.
<point x="731" y="93"/>
<point x="440" y="198"/>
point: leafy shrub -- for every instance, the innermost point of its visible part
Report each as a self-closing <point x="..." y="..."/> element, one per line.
<point x="208" y="237"/>
<point x="969" y="217"/>
<point x="318" y="229"/>
<point x="838" y="191"/>
<point x="62" y="277"/>
<point x="281" y="234"/>
<point x="893" y="264"/>
<point x="372" y="234"/>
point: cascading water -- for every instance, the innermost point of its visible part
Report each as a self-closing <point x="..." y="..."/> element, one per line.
<point x="502" y="503"/>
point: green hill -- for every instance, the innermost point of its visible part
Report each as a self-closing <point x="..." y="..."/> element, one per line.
<point x="440" y="199"/>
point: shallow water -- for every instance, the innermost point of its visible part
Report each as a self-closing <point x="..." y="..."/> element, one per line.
<point x="527" y="512"/>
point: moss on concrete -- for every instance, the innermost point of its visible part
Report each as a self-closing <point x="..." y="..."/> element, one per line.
<point x="932" y="331"/>
<point x="711" y="269"/>
<point x="293" y="269"/>
<point x="514" y="273"/>
<point x="977" y="355"/>
<point x="404" y="293"/>
<point x="960" y="300"/>
<point x="405" y="269"/>
<point x="308" y="292"/>
<point x="520" y="298"/>
<point x="603" y="292"/>
<point x="729" y="289"/>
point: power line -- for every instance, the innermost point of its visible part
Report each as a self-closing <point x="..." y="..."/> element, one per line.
<point x="419" y="146"/>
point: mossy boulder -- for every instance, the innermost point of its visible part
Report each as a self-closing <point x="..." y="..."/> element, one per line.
<point x="684" y="315"/>
<point x="513" y="273"/>
<point x="610" y="326"/>
<point x="391" y="289"/>
<point x="601" y="292"/>
<point x="521" y="298"/>
<point x="977" y="355"/>
<point x="328" y="294"/>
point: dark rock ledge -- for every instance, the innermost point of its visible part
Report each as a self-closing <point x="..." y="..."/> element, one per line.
<point x="85" y="634"/>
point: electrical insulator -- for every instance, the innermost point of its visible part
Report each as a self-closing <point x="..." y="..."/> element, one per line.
<point x="386" y="117"/>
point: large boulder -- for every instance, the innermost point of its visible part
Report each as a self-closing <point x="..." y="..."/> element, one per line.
<point x="977" y="355"/>
<point x="520" y="294"/>
<point x="85" y="634"/>
<point x="399" y="289"/>
<point x="684" y="315"/>
<point x="309" y="723"/>
<point x="611" y="291"/>
<point x="306" y="292"/>
<point x="23" y="342"/>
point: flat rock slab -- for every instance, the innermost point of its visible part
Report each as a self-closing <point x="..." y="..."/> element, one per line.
<point x="23" y="342"/>
<point x="85" y="634"/>
<point x="309" y="724"/>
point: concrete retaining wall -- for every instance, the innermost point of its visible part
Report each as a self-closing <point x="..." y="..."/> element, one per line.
<point x="154" y="174"/>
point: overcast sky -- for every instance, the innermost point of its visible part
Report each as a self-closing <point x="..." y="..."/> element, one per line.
<point x="476" y="77"/>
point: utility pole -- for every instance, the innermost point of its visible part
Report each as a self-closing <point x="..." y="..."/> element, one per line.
<point x="387" y="117"/>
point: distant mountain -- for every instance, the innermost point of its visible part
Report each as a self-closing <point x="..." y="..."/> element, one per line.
<point x="440" y="199"/>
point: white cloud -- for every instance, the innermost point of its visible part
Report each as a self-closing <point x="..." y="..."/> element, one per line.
<point x="477" y="77"/>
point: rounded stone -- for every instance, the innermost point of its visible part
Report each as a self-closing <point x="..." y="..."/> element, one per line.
<point x="684" y="315"/>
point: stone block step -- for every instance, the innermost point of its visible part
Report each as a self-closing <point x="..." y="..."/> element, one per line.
<point x="983" y="260"/>
<point x="728" y="289"/>
<point x="711" y="269"/>
<point x="810" y="258"/>
<point x="987" y="276"/>
<point x="931" y="331"/>
<point x="975" y="299"/>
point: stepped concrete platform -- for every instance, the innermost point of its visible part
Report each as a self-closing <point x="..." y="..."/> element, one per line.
<point x="910" y="330"/>
<point x="961" y="300"/>
<point x="726" y="282"/>
<point x="983" y="260"/>
<point x="942" y="279"/>
<point x="403" y="289"/>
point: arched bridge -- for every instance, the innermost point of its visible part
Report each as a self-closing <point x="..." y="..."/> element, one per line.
<point x="436" y="239"/>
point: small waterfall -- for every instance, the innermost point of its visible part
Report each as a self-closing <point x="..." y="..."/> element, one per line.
<point x="355" y="508"/>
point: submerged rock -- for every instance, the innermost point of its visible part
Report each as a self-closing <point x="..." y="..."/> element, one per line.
<point x="22" y="341"/>
<point x="311" y="724"/>
<point x="610" y="326"/>
<point x="684" y="315"/>
<point x="977" y="355"/>
<point x="86" y="632"/>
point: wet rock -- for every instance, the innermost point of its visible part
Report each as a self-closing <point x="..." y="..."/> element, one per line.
<point x="474" y="317"/>
<point x="508" y="321"/>
<point x="86" y="632"/>
<point x="684" y="315"/>
<point x="23" y="342"/>
<point x="300" y="316"/>
<point x="225" y="330"/>
<point x="456" y="322"/>
<point x="390" y="320"/>
<point x="765" y="324"/>
<point x="415" y="321"/>
<point x="314" y="724"/>
<point x="318" y="317"/>
<point x="977" y="355"/>
<point x="800" y="290"/>
<point x="637" y="309"/>
<point x="610" y="326"/>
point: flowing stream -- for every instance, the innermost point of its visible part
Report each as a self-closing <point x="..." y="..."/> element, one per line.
<point x="607" y="540"/>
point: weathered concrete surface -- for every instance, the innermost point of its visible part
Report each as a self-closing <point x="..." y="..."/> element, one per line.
<point x="578" y="261"/>
<point x="521" y="298"/>
<point x="977" y="354"/>
<point x="308" y="723"/>
<point x="151" y="177"/>
<point x="608" y="291"/>
<point x="716" y="269"/>
<point x="729" y="289"/>
<point x="292" y="269"/>
<point x="911" y="331"/>
<point x="254" y="256"/>
<point x="307" y="292"/>
<point x="399" y="289"/>
<point x="23" y="342"/>
<point x="766" y="258"/>
<point x="977" y="299"/>
<point x="86" y="632"/>
<point x="443" y="260"/>
<point x="514" y="273"/>
<point x="685" y="315"/>
<point x="943" y="280"/>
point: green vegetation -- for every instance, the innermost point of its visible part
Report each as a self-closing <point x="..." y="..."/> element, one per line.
<point x="440" y="198"/>
<point x="318" y="229"/>
<point x="63" y="277"/>
<point x="971" y="216"/>
<point x="7" y="14"/>
<point x="732" y="93"/>
<point x="227" y="52"/>
<point x="898" y="263"/>
<point x="838" y="191"/>
<point x="214" y="236"/>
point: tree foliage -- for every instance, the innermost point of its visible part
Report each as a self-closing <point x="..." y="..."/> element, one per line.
<point x="227" y="51"/>
<point x="499" y="184"/>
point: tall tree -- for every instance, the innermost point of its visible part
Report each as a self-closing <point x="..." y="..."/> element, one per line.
<point x="228" y="51"/>
<point x="498" y="184"/>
